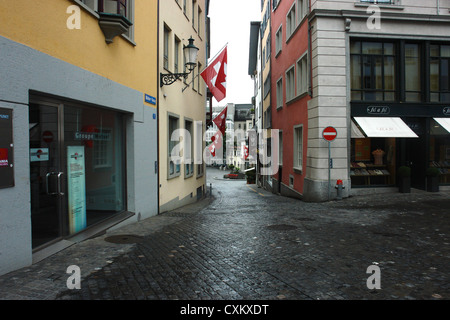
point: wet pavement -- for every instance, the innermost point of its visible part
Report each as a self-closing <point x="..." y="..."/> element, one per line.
<point x="245" y="243"/>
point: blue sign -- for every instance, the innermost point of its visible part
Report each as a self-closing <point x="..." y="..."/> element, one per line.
<point x="150" y="99"/>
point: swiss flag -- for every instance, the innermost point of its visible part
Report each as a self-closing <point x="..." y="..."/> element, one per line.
<point x="216" y="143"/>
<point x="221" y="120"/>
<point x="215" y="76"/>
<point x="245" y="152"/>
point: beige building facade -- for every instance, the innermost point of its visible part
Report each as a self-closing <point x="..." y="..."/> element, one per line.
<point x="182" y="104"/>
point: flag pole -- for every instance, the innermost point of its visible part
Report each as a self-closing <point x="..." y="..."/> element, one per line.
<point x="212" y="59"/>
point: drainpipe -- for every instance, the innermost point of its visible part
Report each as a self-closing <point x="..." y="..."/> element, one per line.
<point x="438" y="6"/>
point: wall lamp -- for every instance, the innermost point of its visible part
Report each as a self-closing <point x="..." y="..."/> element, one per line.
<point x="190" y="55"/>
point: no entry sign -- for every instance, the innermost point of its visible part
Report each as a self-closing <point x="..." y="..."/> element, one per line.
<point x="329" y="134"/>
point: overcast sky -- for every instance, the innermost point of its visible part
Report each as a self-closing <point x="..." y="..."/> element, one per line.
<point x="230" y="23"/>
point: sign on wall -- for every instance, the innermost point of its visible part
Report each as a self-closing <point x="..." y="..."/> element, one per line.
<point x="76" y="186"/>
<point x="6" y="148"/>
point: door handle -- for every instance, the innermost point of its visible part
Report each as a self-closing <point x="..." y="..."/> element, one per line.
<point x="47" y="182"/>
<point x="59" y="184"/>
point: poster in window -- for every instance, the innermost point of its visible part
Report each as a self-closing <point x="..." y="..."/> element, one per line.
<point x="76" y="186"/>
<point x="4" y="157"/>
<point x="6" y="148"/>
<point x="362" y="149"/>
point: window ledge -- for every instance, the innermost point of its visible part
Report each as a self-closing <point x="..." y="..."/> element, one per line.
<point x="298" y="170"/>
<point x="298" y="97"/>
<point x="380" y="5"/>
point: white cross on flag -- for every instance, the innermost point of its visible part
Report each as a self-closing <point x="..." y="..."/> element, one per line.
<point x="221" y="120"/>
<point x="215" y="76"/>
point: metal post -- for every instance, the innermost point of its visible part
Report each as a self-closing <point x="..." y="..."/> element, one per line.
<point x="210" y="190"/>
<point x="329" y="170"/>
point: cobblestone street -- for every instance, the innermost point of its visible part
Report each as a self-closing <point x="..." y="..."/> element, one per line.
<point x="248" y="244"/>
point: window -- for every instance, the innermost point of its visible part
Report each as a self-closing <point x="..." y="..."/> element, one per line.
<point x="199" y="82"/>
<point x="280" y="93"/>
<point x="290" y="22"/>
<point x="194" y="3"/>
<point x="200" y="20"/>
<point x="122" y="7"/>
<point x="413" y="77"/>
<point x="302" y="75"/>
<point x="290" y="84"/>
<point x="298" y="147"/>
<point x="176" y="59"/>
<point x="302" y="10"/>
<point x="188" y="150"/>
<point x="166" y="47"/>
<point x="373" y="71"/>
<point x="439" y="73"/>
<point x="199" y="149"/>
<point x="113" y="6"/>
<point x="174" y="159"/>
<point x="103" y="149"/>
<point x="279" y="40"/>
<point x="275" y="3"/>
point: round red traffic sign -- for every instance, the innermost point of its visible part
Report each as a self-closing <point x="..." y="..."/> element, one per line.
<point x="329" y="134"/>
<point x="47" y="136"/>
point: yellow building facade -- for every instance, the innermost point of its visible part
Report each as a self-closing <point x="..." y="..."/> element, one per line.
<point x="78" y="106"/>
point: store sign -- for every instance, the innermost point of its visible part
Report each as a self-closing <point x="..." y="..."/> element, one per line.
<point x="150" y="99"/>
<point x="76" y="184"/>
<point x="37" y="155"/>
<point x="93" y="136"/>
<point x="379" y="110"/>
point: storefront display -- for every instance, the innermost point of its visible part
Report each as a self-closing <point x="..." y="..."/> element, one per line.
<point x="371" y="165"/>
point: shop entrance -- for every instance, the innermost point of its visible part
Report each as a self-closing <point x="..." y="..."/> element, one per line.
<point x="416" y="152"/>
<point x="77" y="173"/>
<point x="46" y="174"/>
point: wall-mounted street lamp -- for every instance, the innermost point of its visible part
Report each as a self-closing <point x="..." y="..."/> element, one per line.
<point x="190" y="54"/>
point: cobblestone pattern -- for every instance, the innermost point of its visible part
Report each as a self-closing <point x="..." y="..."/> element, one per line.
<point x="250" y="244"/>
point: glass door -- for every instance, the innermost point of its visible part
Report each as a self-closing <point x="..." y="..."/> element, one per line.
<point x="46" y="176"/>
<point x="76" y="168"/>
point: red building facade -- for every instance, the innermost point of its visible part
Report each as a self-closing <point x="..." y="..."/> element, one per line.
<point x="290" y="85"/>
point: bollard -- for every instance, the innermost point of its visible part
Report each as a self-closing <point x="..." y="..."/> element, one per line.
<point x="339" y="187"/>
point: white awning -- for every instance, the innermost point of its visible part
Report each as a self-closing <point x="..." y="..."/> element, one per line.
<point x="383" y="127"/>
<point x="356" y="133"/>
<point x="444" y="122"/>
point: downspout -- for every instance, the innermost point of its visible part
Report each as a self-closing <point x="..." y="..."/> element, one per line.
<point x="158" y="164"/>
<point x="309" y="50"/>
<point x="438" y="6"/>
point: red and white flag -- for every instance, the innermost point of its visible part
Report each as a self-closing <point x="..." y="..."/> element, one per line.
<point x="245" y="152"/>
<point x="215" y="76"/>
<point x="216" y="143"/>
<point x="221" y="120"/>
